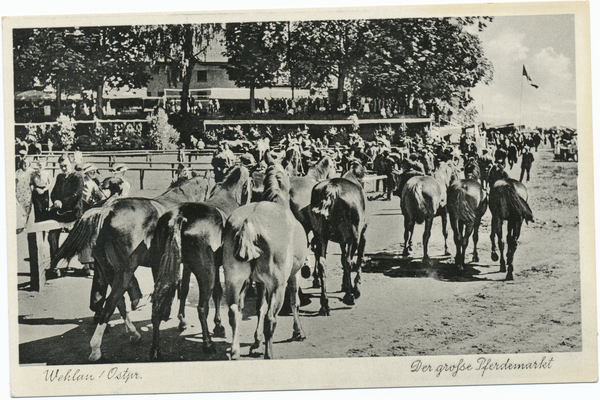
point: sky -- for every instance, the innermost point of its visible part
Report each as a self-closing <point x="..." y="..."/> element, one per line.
<point x="545" y="45"/>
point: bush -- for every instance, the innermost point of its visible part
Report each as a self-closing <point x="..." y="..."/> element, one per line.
<point x="161" y="134"/>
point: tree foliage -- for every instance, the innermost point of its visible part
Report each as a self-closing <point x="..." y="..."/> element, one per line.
<point x="256" y="53"/>
<point x="75" y="59"/>
<point x="178" y="48"/>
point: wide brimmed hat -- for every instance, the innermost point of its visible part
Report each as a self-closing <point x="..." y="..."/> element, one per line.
<point x="88" y="167"/>
<point x="119" y="168"/>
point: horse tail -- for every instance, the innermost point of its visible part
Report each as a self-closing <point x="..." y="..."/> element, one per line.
<point x="83" y="234"/>
<point x="517" y="205"/>
<point x="169" y="244"/>
<point x="331" y="193"/>
<point x="461" y="205"/>
<point x="424" y="206"/>
<point x="246" y="248"/>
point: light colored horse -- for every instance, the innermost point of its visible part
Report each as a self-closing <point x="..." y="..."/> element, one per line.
<point x="264" y="243"/>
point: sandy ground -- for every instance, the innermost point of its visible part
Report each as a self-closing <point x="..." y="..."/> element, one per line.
<point x="404" y="310"/>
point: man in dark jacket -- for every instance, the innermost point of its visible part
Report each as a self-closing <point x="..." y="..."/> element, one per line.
<point x="66" y="200"/>
<point x="526" y="162"/>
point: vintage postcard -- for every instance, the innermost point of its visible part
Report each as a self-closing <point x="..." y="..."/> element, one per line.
<point x="370" y="197"/>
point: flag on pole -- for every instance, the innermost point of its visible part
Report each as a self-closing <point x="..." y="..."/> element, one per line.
<point x="526" y="75"/>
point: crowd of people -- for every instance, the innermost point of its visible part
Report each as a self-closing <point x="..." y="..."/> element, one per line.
<point x="65" y="197"/>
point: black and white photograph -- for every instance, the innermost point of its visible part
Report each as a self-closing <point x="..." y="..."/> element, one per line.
<point x="299" y="199"/>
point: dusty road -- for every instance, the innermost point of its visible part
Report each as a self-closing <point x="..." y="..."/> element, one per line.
<point x="404" y="309"/>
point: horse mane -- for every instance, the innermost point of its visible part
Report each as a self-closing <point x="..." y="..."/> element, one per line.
<point x="234" y="181"/>
<point x="356" y="172"/>
<point x="276" y="185"/>
<point x="321" y="169"/>
<point x="472" y="170"/>
<point x="194" y="189"/>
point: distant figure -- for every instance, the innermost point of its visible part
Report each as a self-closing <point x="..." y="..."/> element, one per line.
<point x="118" y="171"/>
<point x="41" y="182"/>
<point x="526" y="162"/>
<point x="92" y="194"/>
<point x="23" y="190"/>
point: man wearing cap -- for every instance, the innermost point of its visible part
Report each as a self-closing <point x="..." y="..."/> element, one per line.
<point x="118" y="171"/>
<point x="66" y="200"/>
<point x="92" y="195"/>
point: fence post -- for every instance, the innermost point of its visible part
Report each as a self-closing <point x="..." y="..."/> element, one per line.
<point x="141" y="179"/>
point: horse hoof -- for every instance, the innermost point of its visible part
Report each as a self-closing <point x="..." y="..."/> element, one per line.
<point x="154" y="355"/>
<point x="135" y="336"/>
<point x="348" y="299"/>
<point x="475" y="259"/>
<point x="298" y="336"/>
<point x="494" y="256"/>
<point x="234" y="354"/>
<point x="182" y="326"/>
<point x="447" y="253"/>
<point x="255" y="348"/>
<point x="316" y="284"/>
<point x="324" y="312"/>
<point x="305" y="272"/>
<point x="502" y="269"/>
<point x="356" y="293"/>
<point x="210" y="349"/>
<point x="219" y="331"/>
<point x="509" y="277"/>
<point x="95" y="355"/>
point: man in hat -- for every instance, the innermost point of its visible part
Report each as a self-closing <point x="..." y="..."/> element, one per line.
<point x="92" y="195"/>
<point x="118" y="171"/>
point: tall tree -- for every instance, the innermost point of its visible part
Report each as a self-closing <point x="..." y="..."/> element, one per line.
<point x="256" y="54"/>
<point x="179" y="48"/>
<point x="429" y="58"/>
<point x="328" y="49"/>
<point x="75" y="59"/>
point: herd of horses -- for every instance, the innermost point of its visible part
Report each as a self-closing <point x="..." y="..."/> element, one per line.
<point x="256" y="226"/>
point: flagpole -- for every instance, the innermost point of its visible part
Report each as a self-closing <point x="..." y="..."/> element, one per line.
<point x="521" y="103"/>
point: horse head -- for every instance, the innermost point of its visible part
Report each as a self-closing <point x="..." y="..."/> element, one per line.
<point x="276" y="185"/>
<point x="239" y="182"/>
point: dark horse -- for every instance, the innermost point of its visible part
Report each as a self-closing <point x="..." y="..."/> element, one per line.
<point x="337" y="214"/>
<point x="191" y="234"/>
<point x="120" y="234"/>
<point x="422" y="199"/>
<point x="264" y="243"/>
<point x="508" y="202"/>
<point x="467" y="202"/>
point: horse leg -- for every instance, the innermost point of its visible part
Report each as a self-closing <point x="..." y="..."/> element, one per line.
<point x="275" y="301"/>
<point x="493" y="238"/>
<point x="184" y="289"/>
<point x="457" y="230"/>
<point x="298" y="333"/>
<point x="426" y="236"/>
<point x="116" y="295"/>
<point x="500" y="245"/>
<point x="445" y="232"/>
<point x="465" y="240"/>
<point x="261" y="311"/>
<point x="409" y="226"/>
<point x="358" y="266"/>
<point x="347" y="279"/>
<point x="320" y="251"/>
<point x="219" y="330"/>
<point x="236" y="281"/>
<point x="512" y="238"/>
<point x="129" y="326"/>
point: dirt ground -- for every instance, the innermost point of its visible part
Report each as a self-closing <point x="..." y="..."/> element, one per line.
<point x="404" y="310"/>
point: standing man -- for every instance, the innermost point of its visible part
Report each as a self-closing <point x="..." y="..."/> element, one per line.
<point x="66" y="200"/>
<point x="526" y="163"/>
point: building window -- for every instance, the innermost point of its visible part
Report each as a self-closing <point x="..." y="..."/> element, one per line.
<point x="202" y="76"/>
<point x="149" y="93"/>
<point x="160" y="94"/>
